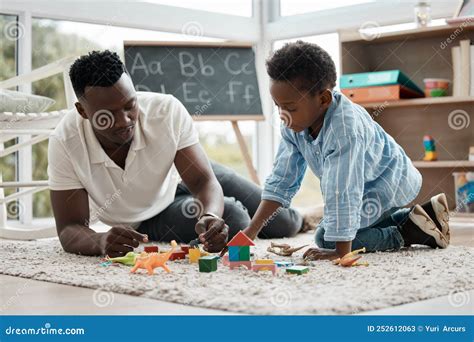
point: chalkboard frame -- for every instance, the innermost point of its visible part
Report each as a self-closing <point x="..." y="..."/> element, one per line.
<point x="203" y="117"/>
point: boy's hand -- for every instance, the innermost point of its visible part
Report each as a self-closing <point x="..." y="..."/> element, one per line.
<point x="320" y="254"/>
<point x="213" y="233"/>
<point x="120" y="240"/>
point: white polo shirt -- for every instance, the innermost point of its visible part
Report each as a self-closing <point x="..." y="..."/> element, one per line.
<point x="148" y="183"/>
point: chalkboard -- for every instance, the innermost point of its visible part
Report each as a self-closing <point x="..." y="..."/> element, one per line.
<point x="211" y="80"/>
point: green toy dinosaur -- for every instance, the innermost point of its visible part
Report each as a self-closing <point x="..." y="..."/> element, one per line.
<point x="128" y="259"/>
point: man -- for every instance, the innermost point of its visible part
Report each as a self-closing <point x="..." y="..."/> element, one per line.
<point x="121" y="152"/>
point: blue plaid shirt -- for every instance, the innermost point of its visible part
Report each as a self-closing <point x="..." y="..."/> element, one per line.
<point x="362" y="170"/>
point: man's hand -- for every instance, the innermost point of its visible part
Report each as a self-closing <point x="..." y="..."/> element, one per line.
<point x="213" y="233"/>
<point x="118" y="241"/>
<point x="320" y="254"/>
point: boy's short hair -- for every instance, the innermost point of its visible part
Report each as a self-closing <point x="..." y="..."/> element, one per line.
<point x="306" y="63"/>
<point x="98" y="68"/>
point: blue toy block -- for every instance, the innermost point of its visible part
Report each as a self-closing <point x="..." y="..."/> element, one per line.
<point x="234" y="252"/>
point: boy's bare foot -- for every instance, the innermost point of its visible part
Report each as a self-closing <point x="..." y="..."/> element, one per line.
<point x="311" y="217"/>
<point x="421" y="230"/>
<point x="437" y="209"/>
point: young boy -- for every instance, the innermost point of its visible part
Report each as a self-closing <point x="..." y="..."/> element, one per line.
<point x="366" y="177"/>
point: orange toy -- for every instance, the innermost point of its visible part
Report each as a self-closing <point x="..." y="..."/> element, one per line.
<point x="153" y="260"/>
<point x="350" y="259"/>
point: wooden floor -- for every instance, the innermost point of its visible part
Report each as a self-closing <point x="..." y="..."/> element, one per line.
<point x="20" y="296"/>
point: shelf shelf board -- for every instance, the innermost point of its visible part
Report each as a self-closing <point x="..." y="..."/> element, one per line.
<point x="349" y="36"/>
<point x="444" y="164"/>
<point x="425" y="101"/>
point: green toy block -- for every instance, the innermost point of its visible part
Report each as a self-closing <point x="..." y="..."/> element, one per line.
<point x="244" y="253"/>
<point x="297" y="270"/>
<point x="208" y="263"/>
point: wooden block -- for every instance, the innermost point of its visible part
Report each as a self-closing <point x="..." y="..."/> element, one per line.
<point x="234" y="253"/>
<point x="225" y="260"/>
<point x="177" y="255"/>
<point x="297" y="270"/>
<point x="208" y="263"/>
<point x="234" y="264"/>
<point x="151" y="249"/>
<point x="264" y="262"/>
<point x="244" y="253"/>
<point x="194" y="255"/>
<point x="264" y="267"/>
<point x="185" y="248"/>
<point x="284" y="263"/>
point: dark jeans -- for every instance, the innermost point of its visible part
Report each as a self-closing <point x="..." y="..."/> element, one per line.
<point x="383" y="235"/>
<point x="241" y="200"/>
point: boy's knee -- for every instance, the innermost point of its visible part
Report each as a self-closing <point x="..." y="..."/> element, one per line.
<point x="235" y="215"/>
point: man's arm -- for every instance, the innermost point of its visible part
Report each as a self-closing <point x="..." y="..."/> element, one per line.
<point x="71" y="212"/>
<point x="196" y="172"/>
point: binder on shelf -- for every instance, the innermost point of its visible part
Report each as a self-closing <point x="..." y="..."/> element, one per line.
<point x="381" y="93"/>
<point x="471" y="92"/>
<point x="457" y="70"/>
<point x="378" y="78"/>
<point x="465" y="46"/>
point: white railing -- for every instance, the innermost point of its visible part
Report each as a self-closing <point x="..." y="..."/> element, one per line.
<point x="34" y="128"/>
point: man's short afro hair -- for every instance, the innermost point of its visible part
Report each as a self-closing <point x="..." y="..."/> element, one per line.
<point x="307" y="63"/>
<point x="98" y="68"/>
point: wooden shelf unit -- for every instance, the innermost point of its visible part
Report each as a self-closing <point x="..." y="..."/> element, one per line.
<point x="419" y="53"/>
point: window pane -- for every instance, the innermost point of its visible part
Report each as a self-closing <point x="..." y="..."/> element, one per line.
<point x="293" y="7"/>
<point x="53" y="40"/>
<point x="235" y="7"/>
<point x="8" y="48"/>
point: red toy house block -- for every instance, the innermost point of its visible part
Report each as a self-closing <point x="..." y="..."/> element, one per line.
<point x="185" y="248"/>
<point x="177" y="255"/>
<point x="151" y="249"/>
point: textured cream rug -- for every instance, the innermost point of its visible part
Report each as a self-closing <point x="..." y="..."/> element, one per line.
<point x="391" y="279"/>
